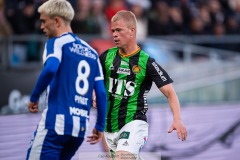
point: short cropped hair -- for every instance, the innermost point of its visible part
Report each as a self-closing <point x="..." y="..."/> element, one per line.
<point x="127" y="16"/>
<point x="61" y="8"/>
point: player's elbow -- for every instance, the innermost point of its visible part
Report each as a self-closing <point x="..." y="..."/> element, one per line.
<point x="51" y="66"/>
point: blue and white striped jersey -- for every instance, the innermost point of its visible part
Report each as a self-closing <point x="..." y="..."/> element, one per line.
<point x="69" y="96"/>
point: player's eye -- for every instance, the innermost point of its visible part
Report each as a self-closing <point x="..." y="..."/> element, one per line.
<point x="42" y="21"/>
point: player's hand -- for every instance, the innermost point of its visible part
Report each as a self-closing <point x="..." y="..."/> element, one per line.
<point x="33" y="107"/>
<point x="95" y="137"/>
<point x="180" y="129"/>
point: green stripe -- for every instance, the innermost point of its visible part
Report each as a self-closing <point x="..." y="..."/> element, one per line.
<point x="132" y="103"/>
<point x="108" y="63"/>
<point x="124" y="64"/>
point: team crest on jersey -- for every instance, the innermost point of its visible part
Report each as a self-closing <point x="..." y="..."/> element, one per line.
<point x="123" y="71"/>
<point x="136" y="69"/>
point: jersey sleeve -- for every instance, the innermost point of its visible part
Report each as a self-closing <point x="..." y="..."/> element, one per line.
<point x="157" y="74"/>
<point x="49" y="70"/>
<point x="99" y="74"/>
<point x="53" y="48"/>
<point x="101" y="98"/>
<point x="51" y="59"/>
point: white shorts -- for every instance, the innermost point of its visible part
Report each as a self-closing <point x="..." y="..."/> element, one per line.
<point x="130" y="138"/>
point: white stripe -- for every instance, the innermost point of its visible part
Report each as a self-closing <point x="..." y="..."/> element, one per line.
<point x="42" y="122"/>
<point x="59" y="124"/>
<point x="52" y="55"/>
<point x="76" y="126"/>
<point x="87" y="124"/>
<point x="100" y="70"/>
<point x="36" y="148"/>
<point x="58" y="44"/>
<point x="44" y="54"/>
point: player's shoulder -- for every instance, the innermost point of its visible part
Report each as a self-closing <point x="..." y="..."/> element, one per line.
<point x="87" y="46"/>
<point x="61" y="40"/>
<point x="144" y="53"/>
<point x="112" y="50"/>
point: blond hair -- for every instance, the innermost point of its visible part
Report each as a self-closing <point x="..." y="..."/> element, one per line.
<point x="127" y="16"/>
<point x="61" y="8"/>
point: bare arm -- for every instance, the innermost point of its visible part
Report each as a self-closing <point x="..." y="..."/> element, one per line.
<point x="173" y="101"/>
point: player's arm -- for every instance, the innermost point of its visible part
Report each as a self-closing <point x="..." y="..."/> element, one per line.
<point x="102" y="59"/>
<point x="101" y="105"/>
<point x="164" y="83"/>
<point x="49" y="70"/>
<point x="101" y="101"/>
<point x="173" y="101"/>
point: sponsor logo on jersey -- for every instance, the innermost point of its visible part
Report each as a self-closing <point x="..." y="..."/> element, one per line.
<point x="78" y="112"/>
<point x="136" y="69"/>
<point x="82" y="50"/>
<point x="159" y="71"/>
<point x="124" y="135"/>
<point x="128" y="87"/>
<point x="81" y="100"/>
<point x="124" y="63"/>
<point x="123" y="71"/>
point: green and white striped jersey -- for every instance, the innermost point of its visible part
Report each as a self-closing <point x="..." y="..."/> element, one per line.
<point x="127" y="80"/>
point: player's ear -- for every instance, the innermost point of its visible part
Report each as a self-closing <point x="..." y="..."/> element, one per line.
<point x="132" y="32"/>
<point x="58" y="21"/>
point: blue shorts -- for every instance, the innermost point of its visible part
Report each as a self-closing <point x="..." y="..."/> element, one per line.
<point x="47" y="145"/>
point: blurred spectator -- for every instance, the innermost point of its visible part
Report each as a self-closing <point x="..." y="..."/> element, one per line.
<point x="6" y="29"/>
<point x="89" y="18"/>
<point x="22" y="16"/>
<point x="176" y="19"/>
<point x="159" y="21"/>
<point x="234" y="5"/>
<point x="98" y="18"/>
<point x="139" y="8"/>
<point x="197" y="26"/>
<point x="216" y="11"/>
<point x="218" y="29"/>
<point x="232" y="25"/>
<point x="113" y="6"/>
<point x="80" y="24"/>
<point x="163" y="17"/>
<point x="186" y="14"/>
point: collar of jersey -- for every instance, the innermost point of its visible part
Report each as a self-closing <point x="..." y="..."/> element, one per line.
<point x="129" y="54"/>
<point x="64" y="33"/>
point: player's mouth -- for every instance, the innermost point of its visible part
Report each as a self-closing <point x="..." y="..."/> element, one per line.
<point x="116" y="41"/>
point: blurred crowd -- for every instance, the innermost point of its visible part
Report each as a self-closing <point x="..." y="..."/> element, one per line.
<point x="155" y="17"/>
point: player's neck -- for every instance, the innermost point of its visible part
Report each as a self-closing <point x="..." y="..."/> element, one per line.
<point x="131" y="50"/>
<point x="62" y="30"/>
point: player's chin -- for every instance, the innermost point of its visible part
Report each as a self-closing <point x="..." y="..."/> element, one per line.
<point x="118" y="45"/>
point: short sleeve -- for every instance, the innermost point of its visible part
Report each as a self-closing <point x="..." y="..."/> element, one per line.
<point x="157" y="74"/>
